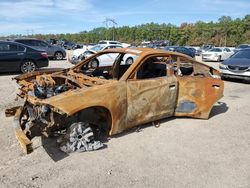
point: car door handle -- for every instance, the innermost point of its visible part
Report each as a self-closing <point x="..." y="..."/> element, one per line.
<point x="216" y="86"/>
<point x="172" y="87"/>
<point x="19" y="53"/>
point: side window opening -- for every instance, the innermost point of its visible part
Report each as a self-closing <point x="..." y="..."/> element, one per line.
<point x="153" y="67"/>
<point x="185" y="67"/>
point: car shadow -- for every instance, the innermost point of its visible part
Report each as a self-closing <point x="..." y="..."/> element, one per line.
<point x="52" y="149"/>
<point x="140" y="128"/>
<point x="219" y="108"/>
<point x="236" y="80"/>
<point x="10" y="74"/>
<point x="51" y="146"/>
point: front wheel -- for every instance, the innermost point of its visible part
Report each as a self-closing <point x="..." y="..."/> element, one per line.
<point x="219" y="59"/>
<point x="80" y="137"/>
<point x="94" y="63"/>
<point x="28" y="66"/>
<point x="129" y="61"/>
<point x="58" y="56"/>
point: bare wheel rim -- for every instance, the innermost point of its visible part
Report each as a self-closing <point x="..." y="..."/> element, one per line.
<point x="59" y="55"/>
<point x="28" y="66"/>
<point x="129" y="61"/>
<point x="94" y="64"/>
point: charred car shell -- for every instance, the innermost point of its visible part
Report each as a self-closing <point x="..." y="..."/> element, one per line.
<point x="85" y="100"/>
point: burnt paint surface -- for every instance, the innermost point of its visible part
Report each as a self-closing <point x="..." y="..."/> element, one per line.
<point x="150" y="99"/>
<point x="203" y="92"/>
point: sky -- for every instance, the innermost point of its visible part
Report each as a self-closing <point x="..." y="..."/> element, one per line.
<point x="72" y="16"/>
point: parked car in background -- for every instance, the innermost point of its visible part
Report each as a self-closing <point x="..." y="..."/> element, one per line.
<point x="88" y="52"/>
<point x="195" y="49"/>
<point x="107" y="42"/>
<point x="70" y="45"/>
<point x="180" y="49"/>
<point x="17" y="57"/>
<point x="241" y="46"/>
<point x="52" y="41"/>
<point x="206" y="47"/>
<point x="158" y="44"/>
<point x="55" y="52"/>
<point x="237" y="66"/>
<point x="217" y="54"/>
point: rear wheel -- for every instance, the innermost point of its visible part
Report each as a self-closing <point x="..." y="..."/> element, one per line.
<point x="28" y="66"/>
<point x="58" y="56"/>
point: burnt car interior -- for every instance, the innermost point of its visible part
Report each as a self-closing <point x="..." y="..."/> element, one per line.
<point x="152" y="67"/>
<point x="107" y="72"/>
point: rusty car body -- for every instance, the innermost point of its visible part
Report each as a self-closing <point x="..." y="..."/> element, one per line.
<point x="158" y="84"/>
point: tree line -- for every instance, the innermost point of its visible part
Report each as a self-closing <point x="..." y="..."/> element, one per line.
<point x="225" y="32"/>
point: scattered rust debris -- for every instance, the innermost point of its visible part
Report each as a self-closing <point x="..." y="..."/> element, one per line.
<point x="84" y="102"/>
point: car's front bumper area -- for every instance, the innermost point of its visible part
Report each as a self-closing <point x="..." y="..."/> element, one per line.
<point x="209" y="58"/>
<point x="235" y="75"/>
<point x="21" y="137"/>
<point x="74" y="60"/>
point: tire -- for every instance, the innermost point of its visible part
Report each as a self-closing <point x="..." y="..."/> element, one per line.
<point x="222" y="77"/>
<point x="28" y="66"/>
<point x="80" y="137"/>
<point x="129" y="61"/>
<point x="94" y="63"/>
<point x="219" y="59"/>
<point x="58" y="56"/>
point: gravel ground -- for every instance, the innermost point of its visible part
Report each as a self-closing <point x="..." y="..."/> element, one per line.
<point x="182" y="152"/>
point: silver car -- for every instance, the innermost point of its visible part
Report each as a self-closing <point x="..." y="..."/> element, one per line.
<point x="54" y="52"/>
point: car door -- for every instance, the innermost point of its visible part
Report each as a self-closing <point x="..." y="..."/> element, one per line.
<point x="151" y="94"/>
<point x="197" y="91"/>
<point x="11" y="56"/>
<point x="107" y="59"/>
<point x="228" y="53"/>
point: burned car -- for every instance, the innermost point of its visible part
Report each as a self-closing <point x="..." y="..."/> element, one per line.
<point x="83" y="102"/>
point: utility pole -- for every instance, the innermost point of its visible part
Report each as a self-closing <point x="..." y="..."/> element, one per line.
<point x="112" y="21"/>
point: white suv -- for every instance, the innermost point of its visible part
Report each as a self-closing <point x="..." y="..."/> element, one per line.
<point x="107" y="42"/>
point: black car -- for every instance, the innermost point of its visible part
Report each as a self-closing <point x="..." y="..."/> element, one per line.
<point x="18" y="57"/>
<point x="237" y="66"/>
<point x="180" y="49"/>
<point x="241" y="47"/>
<point x="53" y="51"/>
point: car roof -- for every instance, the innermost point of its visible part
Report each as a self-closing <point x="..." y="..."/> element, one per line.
<point x="148" y="51"/>
<point x="245" y="49"/>
<point x="27" y="39"/>
<point x="13" y="42"/>
<point x="20" y="44"/>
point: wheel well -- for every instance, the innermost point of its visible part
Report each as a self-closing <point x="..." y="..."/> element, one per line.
<point x="129" y="58"/>
<point x="98" y="116"/>
<point x="57" y="52"/>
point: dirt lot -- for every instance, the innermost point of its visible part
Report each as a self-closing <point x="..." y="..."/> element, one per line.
<point x="182" y="152"/>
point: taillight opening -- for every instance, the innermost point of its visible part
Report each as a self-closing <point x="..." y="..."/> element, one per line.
<point x="44" y="54"/>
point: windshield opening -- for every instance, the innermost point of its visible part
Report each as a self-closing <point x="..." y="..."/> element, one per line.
<point x="215" y="50"/>
<point x="242" y="54"/>
<point x="97" y="48"/>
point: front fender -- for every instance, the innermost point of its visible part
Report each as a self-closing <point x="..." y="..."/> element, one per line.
<point x="111" y="96"/>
